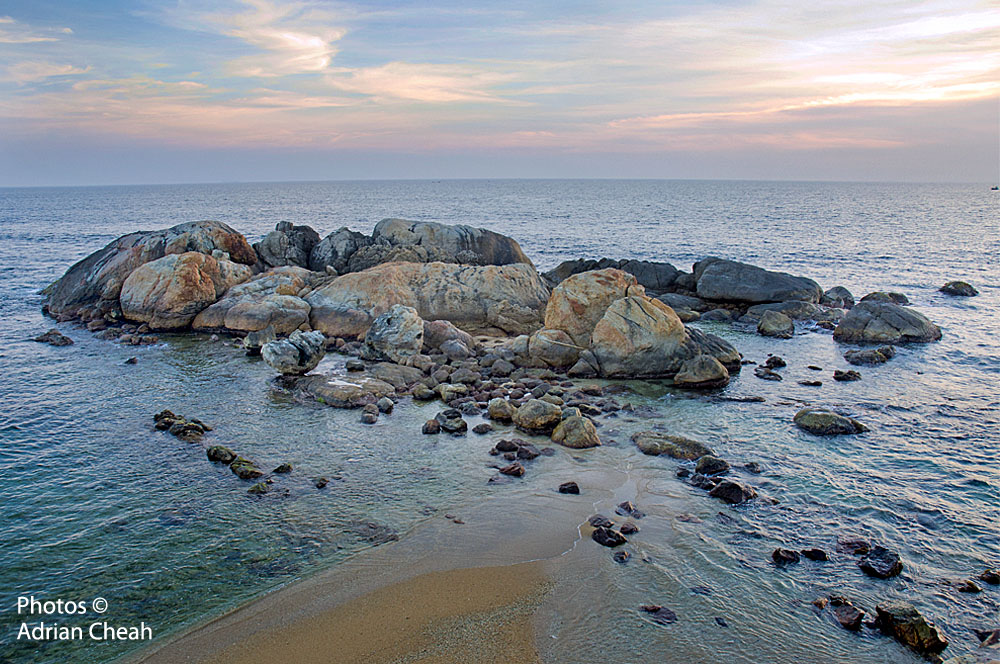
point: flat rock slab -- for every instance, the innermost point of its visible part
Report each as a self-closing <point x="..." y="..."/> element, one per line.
<point x="343" y="392"/>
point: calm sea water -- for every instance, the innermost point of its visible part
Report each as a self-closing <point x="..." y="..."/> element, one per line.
<point x="93" y="502"/>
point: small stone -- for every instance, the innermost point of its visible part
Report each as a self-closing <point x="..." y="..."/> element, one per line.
<point x="846" y="376"/>
<point x="753" y="467"/>
<point x="569" y="487"/>
<point x="959" y="288"/>
<point x="621" y="557"/>
<point x="431" y="427"/>
<point x="608" y="537"/>
<point x="683" y="472"/>
<point x="849" y="616"/>
<point x="369" y="415"/>
<point x="483" y="427"/>
<point x="424" y="393"/>
<point x="600" y="521"/>
<point x="132" y="360"/>
<point x="855" y="547"/>
<point x="784" y="556"/>
<point x="660" y="614"/>
<point x="815" y="554"/>
<point x="385" y="405"/>
<point x="827" y="423"/>
<point x="766" y="374"/>
<point x="628" y="528"/>
<point x="991" y="576"/>
<point x="811" y="383"/>
<point x="54" y="338"/>
<point x="813" y="367"/>
<point x="515" y="470"/>
<point x="220" y="454"/>
<point x="733" y="492"/>
<point x="321" y="482"/>
<point x="969" y="586"/>
<point x="711" y="465"/>
<point x="527" y="451"/>
<point x="283" y="469"/>
<point x="245" y="469"/>
<point x="881" y="563"/>
<point x="258" y="489"/>
<point x="775" y="362"/>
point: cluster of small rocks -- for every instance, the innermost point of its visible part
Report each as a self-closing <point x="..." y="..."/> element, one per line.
<point x="190" y="431"/>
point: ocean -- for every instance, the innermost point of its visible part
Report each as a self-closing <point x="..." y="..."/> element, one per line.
<point x="95" y="503"/>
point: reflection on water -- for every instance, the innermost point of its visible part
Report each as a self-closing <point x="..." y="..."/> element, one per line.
<point x="96" y="502"/>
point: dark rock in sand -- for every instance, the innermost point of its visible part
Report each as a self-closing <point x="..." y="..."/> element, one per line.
<point x="870" y="356"/>
<point x="826" y="423"/>
<point x="608" y="537"/>
<point x="726" y="280"/>
<point x="784" y="556"/>
<point x="54" y="338"/>
<point x="220" y="454"/>
<point x="600" y="521"/>
<point x="711" y="465"/>
<point x="881" y="563"/>
<point x="959" y="288"/>
<point x="569" y="487"/>
<point x="846" y="376"/>
<point x="655" y="443"/>
<point x="733" y="492"/>
<point x="904" y="622"/>
<point x="886" y="323"/>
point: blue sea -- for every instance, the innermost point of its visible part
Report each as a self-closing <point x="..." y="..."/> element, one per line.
<point x="95" y="503"/>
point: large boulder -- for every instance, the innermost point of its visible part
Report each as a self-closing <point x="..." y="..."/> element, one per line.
<point x="550" y="348"/>
<point x="335" y="250"/>
<point x="885" y="323"/>
<point x="395" y="240"/>
<point x="439" y="332"/>
<point x="394" y="335"/>
<point x="652" y="275"/>
<point x="717" y="347"/>
<point x="490" y="299"/>
<point x="579" y="302"/>
<point x="731" y="281"/>
<point x="269" y="299"/>
<point x="701" y="372"/>
<point x="96" y="281"/>
<point x="639" y="337"/>
<point x="169" y="292"/>
<point x="287" y="245"/>
<point x="298" y="354"/>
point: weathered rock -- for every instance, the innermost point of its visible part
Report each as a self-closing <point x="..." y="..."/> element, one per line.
<point x="394" y="335"/>
<point x="846" y="376"/>
<point x="884" y="297"/>
<point x="515" y="470"/>
<point x="849" y="616"/>
<point x="826" y="422"/>
<point x="96" y="281"/>
<point x="552" y="348"/>
<point x="570" y="488"/>
<point x="369" y="414"/>
<point x="784" y="556"/>
<point x="880" y="562"/>
<point x="838" y="297"/>
<point x="815" y="554"/>
<point x="577" y="432"/>
<point x="431" y="427"/>
<point x="870" y="356"/>
<point x="220" y="454"/>
<point x="269" y="299"/>
<point x="298" y="354"/>
<point x="904" y="622"/>
<point x="959" y="288"/>
<point x="439" y="332"/>
<point x="254" y="341"/>
<point x="452" y="422"/>
<point x="733" y="492"/>
<point x="287" y="245"/>
<point x="701" y="372"/>
<point x="500" y="410"/>
<point x="717" y="347"/>
<point x="342" y="391"/>
<point x="678" y="447"/>
<point x="652" y="275"/>
<point x="335" y="250"/>
<point x="489" y="299"/>
<point x="608" y="537"/>
<point x="385" y="405"/>
<point x="54" y="338"/>
<point x="169" y="292"/>
<point x="711" y="465"/>
<point x="537" y="416"/>
<point x="776" y="324"/>
<point x="245" y="469"/>
<point x="578" y="303"/>
<point x="726" y="280"/>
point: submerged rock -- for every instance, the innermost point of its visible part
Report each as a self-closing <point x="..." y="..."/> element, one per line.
<point x="245" y="469"/>
<point x="298" y="354"/>
<point x="577" y="432"/>
<point x="220" y="454"/>
<point x="608" y="537"/>
<point x="54" y="338"/>
<point x="660" y="614"/>
<point x="655" y="443"/>
<point x="570" y="488"/>
<point x="733" y="492"/>
<point x="711" y="465"/>
<point x="870" y="356"/>
<point x="784" y="556"/>
<point x="846" y="376"/>
<point x="904" y="622"/>
<point x="826" y="422"/>
<point x="886" y="323"/>
<point x="959" y="288"/>
<point x="881" y="563"/>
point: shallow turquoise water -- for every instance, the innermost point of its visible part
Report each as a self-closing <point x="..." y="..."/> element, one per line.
<point x="96" y="503"/>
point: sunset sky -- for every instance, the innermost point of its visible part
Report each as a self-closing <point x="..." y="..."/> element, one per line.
<point x="114" y="91"/>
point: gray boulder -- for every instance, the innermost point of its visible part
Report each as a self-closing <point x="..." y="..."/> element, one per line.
<point x="654" y="276"/>
<point x="776" y="324"/>
<point x="298" y="354"/>
<point x="394" y="335"/>
<point x="885" y="323"/>
<point x="826" y="422"/>
<point x="794" y="309"/>
<point x="959" y="288"/>
<point x="838" y="297"/>
<point x="655" y="443"/>
<point x="287" y="245"/>
<point x="731" y="281"/>
<point x="336" y="249"/>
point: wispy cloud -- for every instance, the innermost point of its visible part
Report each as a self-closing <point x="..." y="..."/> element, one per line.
<point x="33" y="70"/>
<point x="15" y="32"/>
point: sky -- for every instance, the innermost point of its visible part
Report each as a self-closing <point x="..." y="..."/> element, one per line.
<point x="143" y="91"/>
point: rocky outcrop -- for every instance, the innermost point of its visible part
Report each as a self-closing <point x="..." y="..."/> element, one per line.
<point x="96" y="281"/>
<point x="287" y="245"/>
<point x="826" y="422"/>
<point x="904" y="622"/>
<point x="959" y="288"/>
<point x="885" y="323"/>
<point x="394" y="335"/>
<point x="169" y="292"/>
<point x="579" y="302"/>
<point x="298" y="354"/>
<point x="335" y="250"/>
<point x="653" y="276"/>
<point x="487" y="299"/>
<point x="731" y="281"/>
<point x="269" y="299"/>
